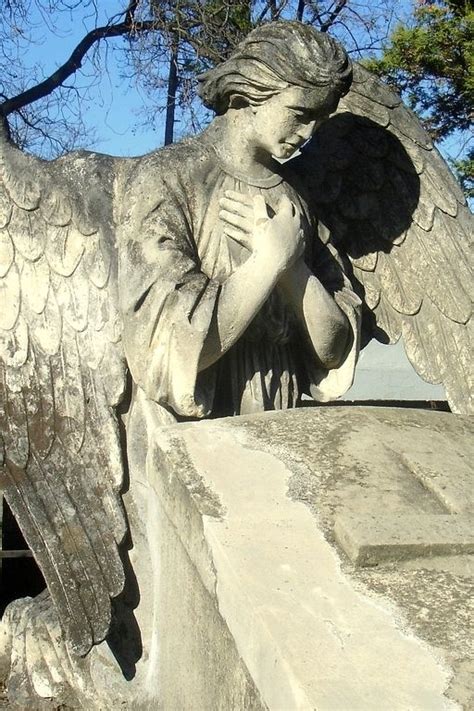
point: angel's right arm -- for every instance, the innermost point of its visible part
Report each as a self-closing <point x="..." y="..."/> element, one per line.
<point x="166" y="302"/>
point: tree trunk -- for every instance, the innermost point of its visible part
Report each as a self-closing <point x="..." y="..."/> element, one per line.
<point x="300" y="10"/>
<point x="171" y="95"/>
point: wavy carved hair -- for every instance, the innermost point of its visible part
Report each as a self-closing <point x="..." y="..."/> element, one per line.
<point x="273" y="57"/>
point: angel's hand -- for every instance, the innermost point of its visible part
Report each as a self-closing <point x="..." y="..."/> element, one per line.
<point x="237" y="211"/>
<point x="278" y="239"/>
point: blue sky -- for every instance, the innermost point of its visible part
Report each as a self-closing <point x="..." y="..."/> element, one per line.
<point x="116" y="106"/>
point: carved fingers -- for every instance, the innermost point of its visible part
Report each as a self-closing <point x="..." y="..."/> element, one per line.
<point x="237" y="211"/>
<point x="277" y="236"/>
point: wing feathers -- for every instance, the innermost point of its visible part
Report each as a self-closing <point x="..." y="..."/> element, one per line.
<point x="14" y="344"/>
<point x="39" y="400"/>
<point x="14" y="430"/>
<point x="28" y="238"/>
<point x="418" y="349"/>
<point x="63" y="462"/>
<point x="64" y="249"/>
<point x="56" y="208"/>
<point x="360" y="105"/>
<point x="96" y="262"/>
<point x="46" y="327"/>
<point x="35" y="282"/>
<point x="6" y="208"/>
<point x="400" y="216"/>
<point x="69" y="396"/>
<point x="24" y="193"/>
<point x="368" y="86"/>
<point x="401" y="290"/>
<point x="388" y="320"/>
<point x="43" y="540"/>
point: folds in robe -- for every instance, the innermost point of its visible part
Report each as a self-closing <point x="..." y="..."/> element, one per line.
<point x="174" y="256"/>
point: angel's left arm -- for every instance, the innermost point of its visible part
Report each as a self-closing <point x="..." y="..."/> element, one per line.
<point x="326" y="323"/>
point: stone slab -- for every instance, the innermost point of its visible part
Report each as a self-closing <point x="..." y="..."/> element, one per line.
<point x="453" y="486"/>
<point x="375" y="539"/>
<point x="312" y="629"/>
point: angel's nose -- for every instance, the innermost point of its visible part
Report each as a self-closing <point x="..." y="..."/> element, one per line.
<point x="307" y="130"/>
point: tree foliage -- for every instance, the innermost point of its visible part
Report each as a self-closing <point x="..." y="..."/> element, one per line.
<point x="431" y="62"/>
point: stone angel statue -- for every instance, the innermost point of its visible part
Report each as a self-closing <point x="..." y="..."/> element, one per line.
<point x="211" y="278"/>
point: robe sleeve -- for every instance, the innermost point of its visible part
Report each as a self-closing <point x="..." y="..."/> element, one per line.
<point x="326" y="385"/>
<point x="167" y="303"/>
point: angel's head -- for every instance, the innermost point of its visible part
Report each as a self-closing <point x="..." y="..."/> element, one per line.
<point x="288" y="75"/>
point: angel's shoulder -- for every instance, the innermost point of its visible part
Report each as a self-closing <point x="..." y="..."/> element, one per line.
<point x="85" y="167"/>
<point x="168" y="167"/>
<point x="162" y="181"/>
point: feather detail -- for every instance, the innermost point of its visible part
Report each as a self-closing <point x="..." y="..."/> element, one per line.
<point x="15" y="434"/>
<point x="72" y="295"/>
<point x="7" y="252"/>
<point x="96" y="261"/>
<point x="25" y="193"/>
<point x="46" y="327"/>
<point x="91" y="348"/>
<point x="362" y="106"/>
<point x="39" y="399"/>
<point x="418" y="348"/>
<point x="56" y="208"/>
<point x="395" y="279"/>
<point x="14" y="344"/>
<point x="28" y="237"/>
<point x="367" y="85"/>
<point x="64" y="249"/>
<point x="40" y="534"/>
<point x="388" y="319"/>
<point x="6" y="208"/>
<point x="69" y="395"/>
<point x="35" y="284"/>
<point x="371" y="286"/>
<point x="10" y="298"/>
<point x="408" y="123"/>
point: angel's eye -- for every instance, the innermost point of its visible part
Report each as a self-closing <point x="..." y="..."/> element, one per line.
<point x="303" y="116"/>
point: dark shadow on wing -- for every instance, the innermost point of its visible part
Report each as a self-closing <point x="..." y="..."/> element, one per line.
<point x="365" y="189"/>
<point x="367" y="186"/>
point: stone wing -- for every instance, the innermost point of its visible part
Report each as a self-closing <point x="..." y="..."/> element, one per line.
<point x="61" y="374"/>
<point x="387" y="200"/>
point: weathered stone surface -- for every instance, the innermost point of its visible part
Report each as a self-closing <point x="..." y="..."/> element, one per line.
<point x="374" y="539"/>
<point x="241" y="583"/>
<point x="312" y="630"/>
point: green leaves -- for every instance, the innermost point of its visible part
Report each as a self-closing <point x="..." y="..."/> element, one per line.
<point x="431" y="63"/>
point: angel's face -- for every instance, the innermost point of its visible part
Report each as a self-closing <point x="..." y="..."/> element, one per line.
<point x="287" y="120"/>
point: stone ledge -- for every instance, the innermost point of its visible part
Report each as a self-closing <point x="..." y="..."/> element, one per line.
<point x="371" y="540"/>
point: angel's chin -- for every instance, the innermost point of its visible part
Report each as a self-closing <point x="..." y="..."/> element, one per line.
<point x="286" y="151"/>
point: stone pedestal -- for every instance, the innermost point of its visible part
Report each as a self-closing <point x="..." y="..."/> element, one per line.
<point x="318" y="558"/>
<point x="334" y="544"/>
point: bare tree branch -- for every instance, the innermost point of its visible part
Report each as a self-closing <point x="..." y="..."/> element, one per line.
<point x="73" y="63"/>
<point x="340" y="5"/>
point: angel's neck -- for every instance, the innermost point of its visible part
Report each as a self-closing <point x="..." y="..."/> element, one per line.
<point x="232" y="138"/>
